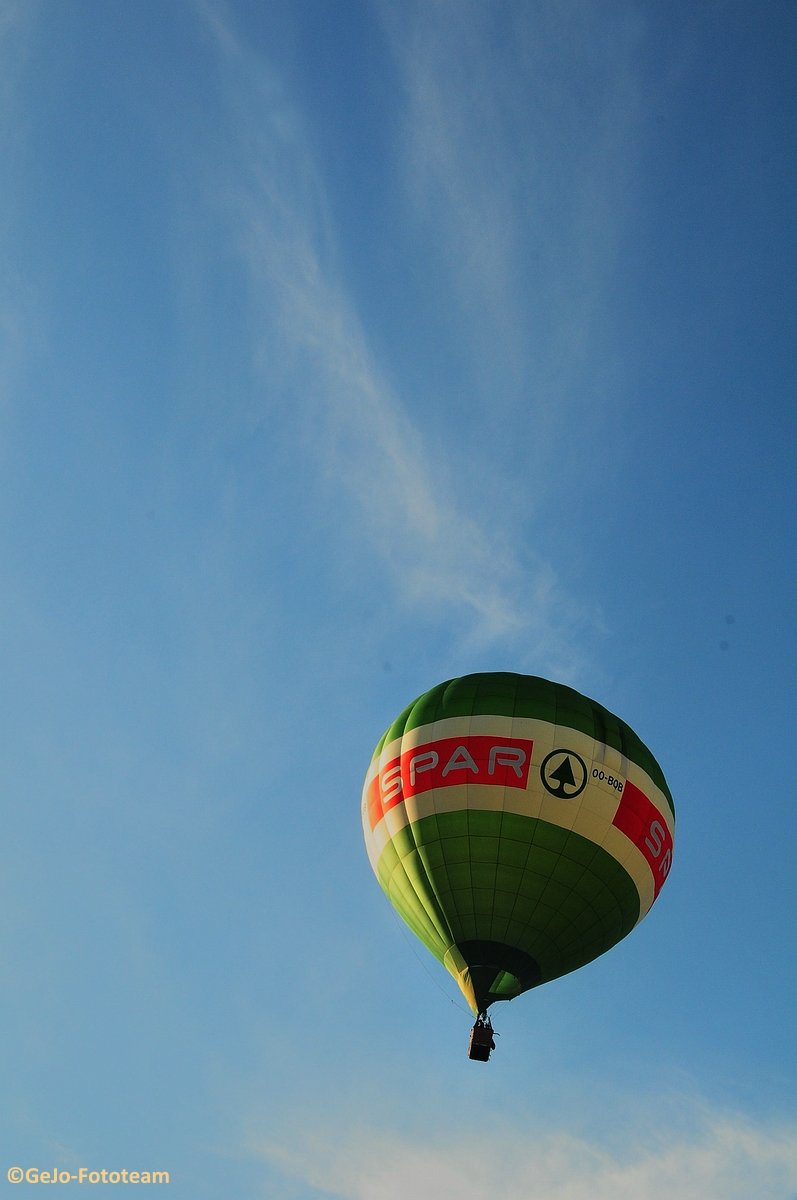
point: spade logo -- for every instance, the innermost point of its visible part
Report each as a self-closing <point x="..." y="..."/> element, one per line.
<point x="564" y="774"/>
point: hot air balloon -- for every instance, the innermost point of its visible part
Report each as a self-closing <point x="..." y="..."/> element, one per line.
<point x="518" y="828"/>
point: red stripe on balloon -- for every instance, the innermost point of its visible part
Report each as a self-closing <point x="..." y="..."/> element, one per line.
<point x="640" y="820"/>
<point x="478" y="759"/>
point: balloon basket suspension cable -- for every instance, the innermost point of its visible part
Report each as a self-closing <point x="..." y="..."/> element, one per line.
<point x="482" y="1035"/>
<point x="403" y="931"/>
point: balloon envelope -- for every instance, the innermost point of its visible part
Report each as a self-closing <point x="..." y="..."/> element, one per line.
<point x="519" y="828"/>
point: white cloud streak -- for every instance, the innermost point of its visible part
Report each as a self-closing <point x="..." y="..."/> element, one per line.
<point x="721" y="1158"/>
<point x="444" y="549"/>
<point x="518" y="140"/>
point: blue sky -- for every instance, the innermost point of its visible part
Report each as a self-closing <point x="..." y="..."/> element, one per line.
<point x="347" y="348"/>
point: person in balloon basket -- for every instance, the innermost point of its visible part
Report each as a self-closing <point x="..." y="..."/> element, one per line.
<point x="481" y="1039"/>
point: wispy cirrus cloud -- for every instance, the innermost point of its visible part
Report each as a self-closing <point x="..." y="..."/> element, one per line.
<point x="517" y="148"/>
<point x="445" y="547"/>
<point x="721" y="1157"/>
